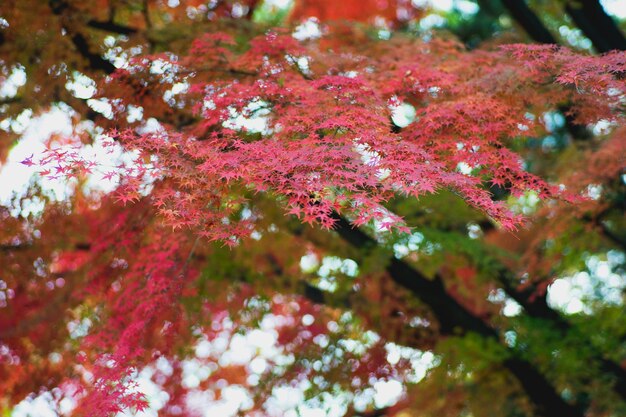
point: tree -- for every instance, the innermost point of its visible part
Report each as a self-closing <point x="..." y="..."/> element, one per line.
<point x="372" y="199"/>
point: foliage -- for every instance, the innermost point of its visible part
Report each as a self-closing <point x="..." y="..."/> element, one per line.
<point x="360" y="194"/>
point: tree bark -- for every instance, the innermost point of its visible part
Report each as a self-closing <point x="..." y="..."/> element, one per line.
<point x="529" y="21"/>
<point x="590" y="17"/>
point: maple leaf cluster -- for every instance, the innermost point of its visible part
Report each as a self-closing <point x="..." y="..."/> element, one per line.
<point x="326" y="142"/>
<point x="244" y="131"/>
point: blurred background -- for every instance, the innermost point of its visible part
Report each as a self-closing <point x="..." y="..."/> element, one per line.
<point x="554" y="291"/>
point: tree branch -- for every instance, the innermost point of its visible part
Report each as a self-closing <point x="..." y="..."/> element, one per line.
<point x="611" y="235"/>
<point x="109" y="26"/>
<point x="590" y="17"/>
<point x="96" y="62"/>
<point x="537" y="31"/>
<point x="454" y="319"/>
<point x="529" y="21"/>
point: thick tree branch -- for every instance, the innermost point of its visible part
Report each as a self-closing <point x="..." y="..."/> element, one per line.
<point x="109" y="26"/>
<point x="10" y="100"/>
<point x="96" y="62"/>
<point x="536" y="306"/>
<point x="378" y="412"/>
<point x="537" y="31"/>
<point x="529" y="21"/>
<point x="590" y="17"/>
<point x="454" y="319"/>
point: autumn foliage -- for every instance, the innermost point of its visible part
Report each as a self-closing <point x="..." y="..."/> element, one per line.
<point x="427" y="184"/>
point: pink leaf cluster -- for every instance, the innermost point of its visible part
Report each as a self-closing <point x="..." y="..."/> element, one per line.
<point x="326" y="142"/>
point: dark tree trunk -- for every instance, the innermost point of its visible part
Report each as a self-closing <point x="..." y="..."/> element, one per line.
<point x="590" y="17"/>
<point x="523" y="15"/>
<point x="454" y="319"/>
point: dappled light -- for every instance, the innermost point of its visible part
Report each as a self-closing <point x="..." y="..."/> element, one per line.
<point x="312" y="208"/>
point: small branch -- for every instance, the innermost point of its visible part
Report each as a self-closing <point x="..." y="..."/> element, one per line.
<point x="109" y="26"/>
<point x="231" y="71"/>
<point x="611" y="235"/>
<point x="317" y="296"/>
<point x="298" y="69"/>
<point x="146" y="14"/>
<point x="13" y="248"/>
<point x="183" y="269"/>
<point x="96" y="61"/>
<point x="10" y="100"/>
